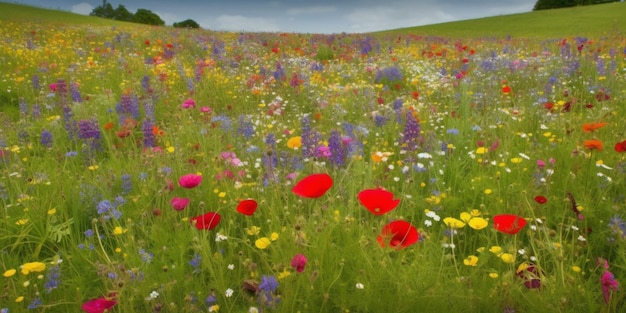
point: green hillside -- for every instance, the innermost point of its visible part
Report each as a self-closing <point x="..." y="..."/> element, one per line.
<point x="18" y="12"/>
<point x="604" y="19"/>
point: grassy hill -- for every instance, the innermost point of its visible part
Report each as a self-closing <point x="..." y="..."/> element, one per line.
<point x="597" y="20"/>
<point x="605" y="19"/>
<point x="18" y="12"/>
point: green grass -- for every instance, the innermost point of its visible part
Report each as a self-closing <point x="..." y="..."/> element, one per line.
<point x="25" y="13"/>
<point x="501" y="122"/>
<point x="598" y="20"/>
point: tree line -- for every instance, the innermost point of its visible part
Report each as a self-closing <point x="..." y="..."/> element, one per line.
<point x="554" y="4"/>
<point x="142" y="16"/>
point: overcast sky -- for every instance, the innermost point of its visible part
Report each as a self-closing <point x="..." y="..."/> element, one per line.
<point x="305" y="16"/>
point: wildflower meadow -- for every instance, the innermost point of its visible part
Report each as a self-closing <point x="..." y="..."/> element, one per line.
<point x="153" y="169"/>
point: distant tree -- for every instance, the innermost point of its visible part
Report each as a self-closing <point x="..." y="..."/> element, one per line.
<point x="145" y="16"/>
<point x="122" y="14"/>
<point x="554" y="4"/>
<point x="189" y="23"/>
<point x="105" y="10"/>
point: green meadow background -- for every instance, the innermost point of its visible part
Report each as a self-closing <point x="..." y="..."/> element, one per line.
<point x="464" y="123"/>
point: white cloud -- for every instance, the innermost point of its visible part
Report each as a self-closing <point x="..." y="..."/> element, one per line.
<point x="312" y="10"/>
<point x="82" y="8"/>
<point x="242" y="23"/>
<point x="384" y="18"/>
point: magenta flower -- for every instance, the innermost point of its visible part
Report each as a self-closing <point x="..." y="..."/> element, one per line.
<point x="98" y="305"/>
<point x="188" y="104"/>
<point x="190" y="180"/>
<point x="608" y="281"/>
<point x="298" y="262"/>
<point x="179" y="204"/>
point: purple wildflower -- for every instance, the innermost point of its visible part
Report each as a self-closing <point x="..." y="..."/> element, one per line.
<point x="268" y="285"/>
<point x="46" y="138"/>
<point x="195" y="262"/>
<point x="245" y="128"/>
<point x="89" y="132"/>
<point x="148" y="135"/>
<point x="279" y="74"/>
<point x="35" y="82"/>
<point x="23" y="107"/>
<point x="412" y="131"/>
<point x="75" y="93"/>
<point x="128" y="108"/>
<point x="127" y="184"/>
<point x="53" y="278"/>
<point x="145" y="84"/>
<point x="70" y="124"/>
<point x="337" y="150"/>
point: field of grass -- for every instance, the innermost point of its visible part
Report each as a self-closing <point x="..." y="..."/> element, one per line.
<point x="596" y="20"/>
<point x="152" y="169"/>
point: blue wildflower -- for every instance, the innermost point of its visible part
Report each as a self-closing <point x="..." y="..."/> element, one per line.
<point x="46" y="138"/>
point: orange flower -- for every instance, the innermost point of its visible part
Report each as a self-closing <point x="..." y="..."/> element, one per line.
<point x="589" y="127"/>
<point x="109" y="125"/>
<point x="593" y="144"/>
<point x="157" y="131"/>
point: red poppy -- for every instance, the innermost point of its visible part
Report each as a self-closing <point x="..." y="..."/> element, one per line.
<point x="541" y="199"/>
<point x="206" y="221"/>
<point x="620" y="146"/>
<point x="122" y="133"/>
<point x="98" y="305"/>
<point x="508" y="223"/>
<point x="506" y="89"/>
<point x="378" y="201"/>
<point x="398" y="234"/>
<point x="190" y="180"/>
<point x="313" y="186"/>
<point x="247" y="207"/>
<point x="590" y="127"/>
<point x="593" y="144"/>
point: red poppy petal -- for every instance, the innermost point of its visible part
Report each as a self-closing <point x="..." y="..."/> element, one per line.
<point x="508" y="223"/>
<point x="398" y="234"/>
<point x="313" y="186"/>
<point x="206" y="221"/>
<point x="541" y="199"/>
<point x="378" y="201"/>
<point x="247" y="207"/>
<point x="620" y="146"/>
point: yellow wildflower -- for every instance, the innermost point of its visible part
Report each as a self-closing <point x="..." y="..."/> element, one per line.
<point x="478" y="223"/>
<point x="453" y="222"/>
<point x="262" y="243"/>
<point x="294" y="142"/>
<point x="471" y="260"/>
<point x="9" y="273"/>
<point x="33" y="267"/>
